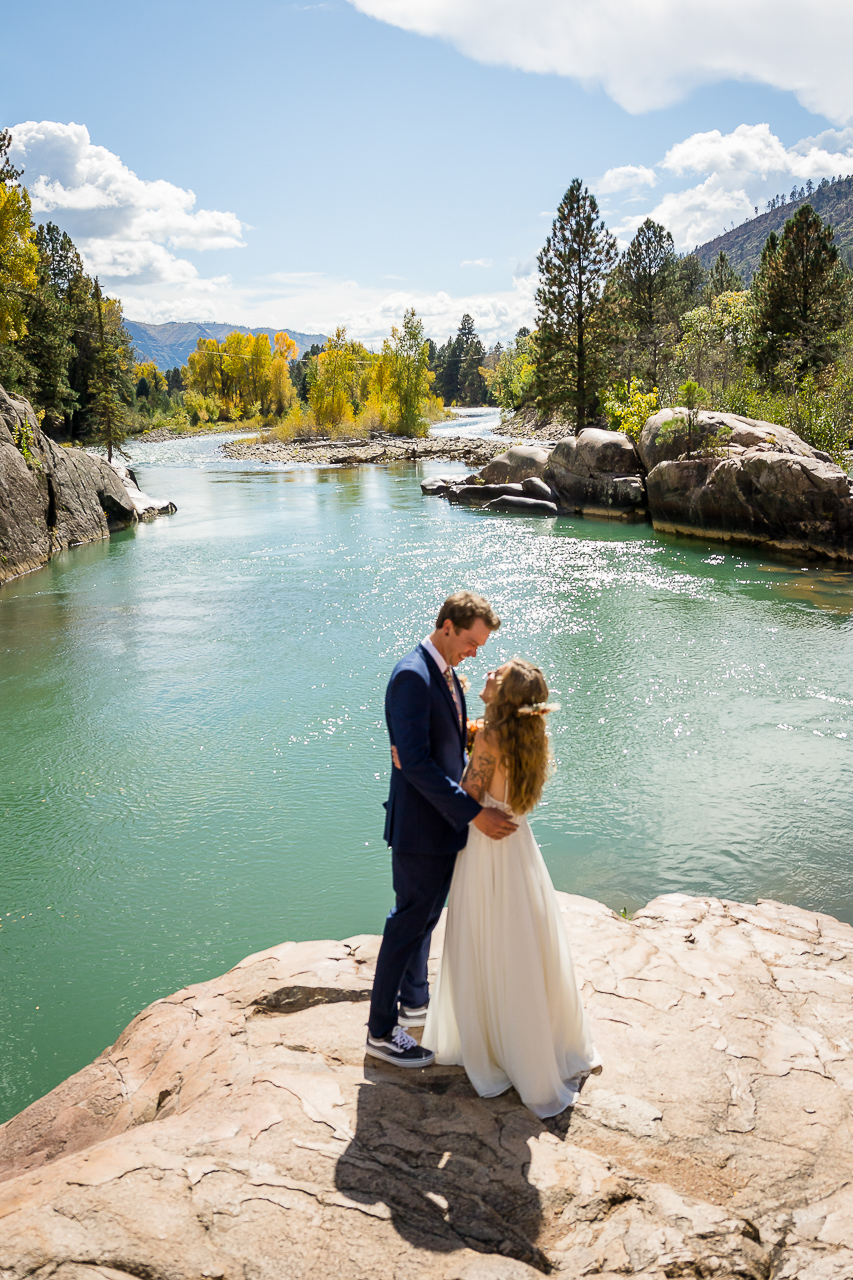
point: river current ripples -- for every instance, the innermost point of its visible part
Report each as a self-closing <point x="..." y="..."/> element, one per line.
<point x="194" y="757"/>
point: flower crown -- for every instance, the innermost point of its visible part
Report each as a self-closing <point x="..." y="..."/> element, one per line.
<point x="538" y="708"/>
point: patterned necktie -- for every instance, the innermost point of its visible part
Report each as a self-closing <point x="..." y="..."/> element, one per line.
<point x="451" y="684"/>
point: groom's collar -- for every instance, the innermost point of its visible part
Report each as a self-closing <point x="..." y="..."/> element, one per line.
<point x="439" y="661"/>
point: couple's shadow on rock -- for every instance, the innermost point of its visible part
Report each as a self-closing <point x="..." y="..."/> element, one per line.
<point x="451" y="1168"/>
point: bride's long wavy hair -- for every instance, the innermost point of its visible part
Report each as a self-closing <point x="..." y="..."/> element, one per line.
<point x="522" y="742"/>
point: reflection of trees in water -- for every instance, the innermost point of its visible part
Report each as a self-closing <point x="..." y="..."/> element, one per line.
<point x="451" y="1167"/>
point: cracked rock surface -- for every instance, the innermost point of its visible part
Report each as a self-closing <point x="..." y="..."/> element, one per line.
<point x="236" y="1130"/>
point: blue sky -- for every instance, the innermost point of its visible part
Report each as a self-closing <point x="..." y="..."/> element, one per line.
<point x="314" y="164"/>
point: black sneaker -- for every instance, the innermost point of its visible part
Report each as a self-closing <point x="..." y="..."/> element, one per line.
<point x="399" y="1048"/>
<point x="412" y="1017"/>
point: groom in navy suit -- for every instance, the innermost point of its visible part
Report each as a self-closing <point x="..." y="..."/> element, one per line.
<point x="427" y="817"/>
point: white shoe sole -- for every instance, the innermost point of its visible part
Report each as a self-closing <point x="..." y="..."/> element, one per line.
<point x="396" y="1061"/>
<point x="415" y="1020"/>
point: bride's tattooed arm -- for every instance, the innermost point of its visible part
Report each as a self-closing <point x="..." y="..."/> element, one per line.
<point x="480" y="770"/>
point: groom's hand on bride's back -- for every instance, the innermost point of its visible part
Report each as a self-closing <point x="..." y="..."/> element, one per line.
<point x="494" y="823"/>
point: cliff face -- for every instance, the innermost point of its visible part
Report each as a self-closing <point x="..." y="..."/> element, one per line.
<point x="50" y="497"/>
<point x="236" y="1129"/>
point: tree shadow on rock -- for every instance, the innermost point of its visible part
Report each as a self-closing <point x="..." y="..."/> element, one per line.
<point x="451" y="1167"/>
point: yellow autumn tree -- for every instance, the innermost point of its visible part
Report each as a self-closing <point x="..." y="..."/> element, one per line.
<point x="18" y="260"/>
<point x="331" y="392"/>
<point x="282" y="394"/>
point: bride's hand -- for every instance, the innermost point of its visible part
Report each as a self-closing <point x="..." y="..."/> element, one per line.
<point x="395" y="758"/>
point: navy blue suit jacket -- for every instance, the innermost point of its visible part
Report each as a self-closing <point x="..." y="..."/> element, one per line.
<point x="427" y="810"/>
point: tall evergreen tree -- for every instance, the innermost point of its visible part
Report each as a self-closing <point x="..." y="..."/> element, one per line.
<point x="802" y="296"/>
<point x="472" y="384"/>
<point x="722" y="278"/>
<point x="648" y="278"/>
<point x="109" y="388"/>
<point x="574" y="333"/>
<point x="9" y="175"/>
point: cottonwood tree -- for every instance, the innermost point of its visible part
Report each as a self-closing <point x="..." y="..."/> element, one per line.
<point x="18" y="261"/>
<point x="574" y="330"/>
<point x="802" y="297"/>
<point x="406" y="355"/>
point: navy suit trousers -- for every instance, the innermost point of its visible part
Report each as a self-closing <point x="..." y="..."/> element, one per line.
<point x="421" y="886"/>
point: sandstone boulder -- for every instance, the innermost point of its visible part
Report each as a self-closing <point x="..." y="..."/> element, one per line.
<point x="788" y="501"/>
<point x="523" y="505"/>
<point x="237" y="1130"/>
<point x="597" y="473"/>
<point x="479" y="494"/>
<point x="519" y="462"/>
<point x="533" y="487"/>
<point x="657" y="444"/>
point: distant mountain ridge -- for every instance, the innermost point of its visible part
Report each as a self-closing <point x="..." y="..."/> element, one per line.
<point x="742" y="245"/>
<point x="168" y="345"/>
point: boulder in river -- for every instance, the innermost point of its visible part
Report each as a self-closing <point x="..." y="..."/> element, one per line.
<point x="519" y="462"/>
<point x="763" y="485"/>
<point x="522" y="505"/>
<point x="665" y="438"/>
<point x="477" y="495"/>
<point x="533" y="487"/>
<point x="236" y="1129"/>
<point x="146" y="507"/>
<point x="597" y="473"/>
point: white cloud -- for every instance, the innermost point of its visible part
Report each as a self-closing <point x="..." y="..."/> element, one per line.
<point x="476" y="262"/>
<point x="626" y="176"/>
<point x="125" y="227"/>
<point x="650" y="53"/>
<point x="739" y="171"/>
<point x="314" y="303"/>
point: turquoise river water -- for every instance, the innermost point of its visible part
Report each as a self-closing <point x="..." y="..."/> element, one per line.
<point x="193" y="758"/>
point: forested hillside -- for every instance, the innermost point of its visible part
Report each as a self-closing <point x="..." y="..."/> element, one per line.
<point x="169" y="345"/>
<point x="833" y="201"/>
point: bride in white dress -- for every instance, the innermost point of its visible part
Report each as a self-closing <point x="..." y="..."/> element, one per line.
<point x="507" y="1006"/>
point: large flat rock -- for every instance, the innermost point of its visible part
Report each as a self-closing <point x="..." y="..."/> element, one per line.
<point x="236" y="1129"/>
<point x="52" y="497"/>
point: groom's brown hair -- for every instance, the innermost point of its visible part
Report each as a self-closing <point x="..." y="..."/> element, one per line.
<point x="463" y="607"/>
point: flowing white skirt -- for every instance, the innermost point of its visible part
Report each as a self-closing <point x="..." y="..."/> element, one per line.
<point x="506" y="1005"/>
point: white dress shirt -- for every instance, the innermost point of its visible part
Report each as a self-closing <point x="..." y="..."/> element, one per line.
<point x="441" y="662"/>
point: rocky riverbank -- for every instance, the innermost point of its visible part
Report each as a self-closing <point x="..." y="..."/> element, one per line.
<point x="378" y="450"/>
<point x="236" y="1128"/>
<point x="721" y="477"/>
<point x="52" y="497"/>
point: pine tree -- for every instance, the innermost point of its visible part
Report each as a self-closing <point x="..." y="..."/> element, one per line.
<point x="110" y="379"/>
<point x="574" y="332"/>
<point x="722" y="278"/>
<point x="9" y="175"/>
<point x="802" y="296"/>
<point x="472" y="384"/>
<point x="648" y="279"/>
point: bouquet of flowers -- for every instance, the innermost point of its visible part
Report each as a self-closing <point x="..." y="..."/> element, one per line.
<point x="473" y="726"/>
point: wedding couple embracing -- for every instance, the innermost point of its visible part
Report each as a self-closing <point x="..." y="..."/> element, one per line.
<point x="506" y="1005"/>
